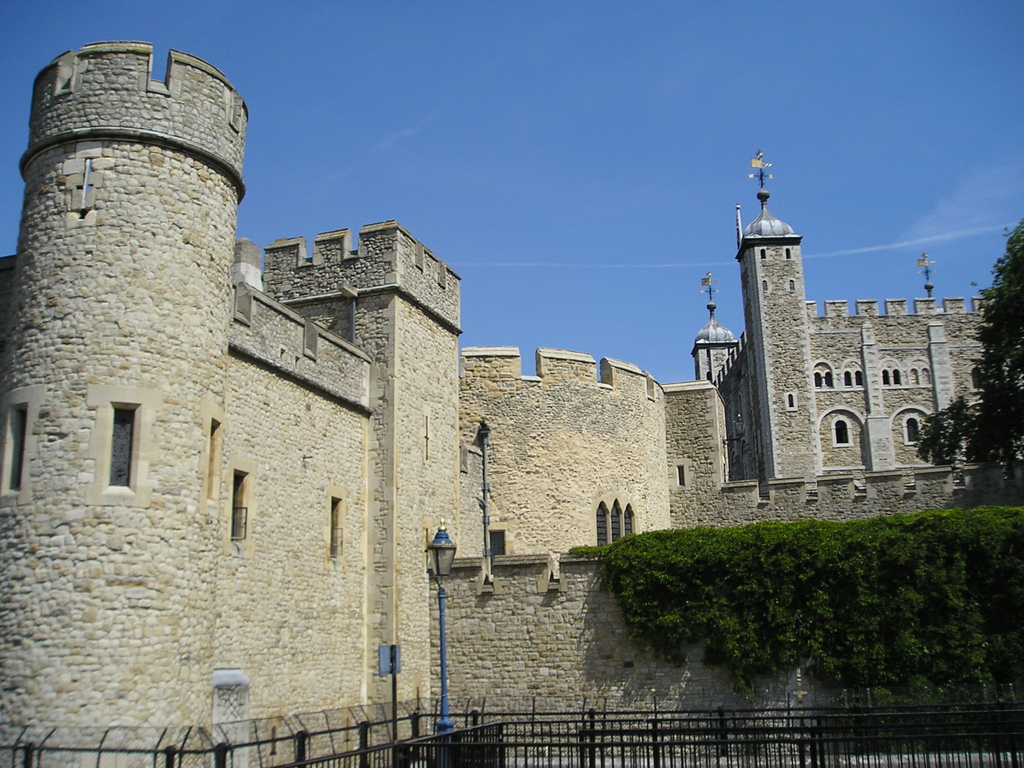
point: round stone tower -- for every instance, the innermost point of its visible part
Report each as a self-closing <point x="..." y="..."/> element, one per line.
<point x="112" y="382"/>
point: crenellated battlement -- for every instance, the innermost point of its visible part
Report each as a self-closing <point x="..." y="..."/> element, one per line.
<point x="895" y="307"/>
<point x="504" y="365"/>
<point x="387" y="258"/>
<point x="105" y="92"/>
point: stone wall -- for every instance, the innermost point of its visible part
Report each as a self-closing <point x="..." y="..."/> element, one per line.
<point x="563" y="442"/>
<point x="548" y="630"/>
<point x="288" y="614"/>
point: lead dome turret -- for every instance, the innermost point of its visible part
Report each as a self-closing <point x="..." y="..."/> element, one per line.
<point x="766" y="225"/>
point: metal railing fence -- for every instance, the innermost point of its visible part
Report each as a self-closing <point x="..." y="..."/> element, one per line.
<point x="896" y="736"/>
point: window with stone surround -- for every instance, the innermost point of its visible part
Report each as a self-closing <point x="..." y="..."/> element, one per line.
<point x="912" y="430"/>
<point x="790" y="402"/>
<point x="240" y="492"/>
<point x="337" y="537"/>
<point x="847" y="379"/>
<point x="497" y="543"/>
<point x="613" y="525"/>
<point x="841" y="432"/>
<point x="14" y="447"/>
<point x="858" y="378"/>
<point x="121" y="444"/>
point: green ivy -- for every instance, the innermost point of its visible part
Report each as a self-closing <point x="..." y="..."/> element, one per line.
<point x="933" y="598"/>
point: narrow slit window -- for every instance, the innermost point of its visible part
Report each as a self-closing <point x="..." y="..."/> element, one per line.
<point x="764" y="253"/>
<point x="885" y="377"/>
<point x="788" y="254"/>
<point x="337" y="537"/>
<point x="122" y="444"/>
<point x="681" y="474"/>
<point x="896" y="377"/>
<point x="239" y="506"/>
<point x="790" y="401"/>
<point x="18" y="421"/>
<point x="847" y="379"/>
<point x="213" y="461"/>
<point x="975" y="379"/>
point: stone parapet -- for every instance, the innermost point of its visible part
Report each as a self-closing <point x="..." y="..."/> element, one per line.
<point x="387" y="260"/>
<point x="276" y="337"/>
<point x="104" y="92"/>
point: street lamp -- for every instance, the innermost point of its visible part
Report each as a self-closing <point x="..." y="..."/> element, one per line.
<point x="442" y="553"/>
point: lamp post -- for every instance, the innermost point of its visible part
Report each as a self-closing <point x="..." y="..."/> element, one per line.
<point x="442" y="553"/>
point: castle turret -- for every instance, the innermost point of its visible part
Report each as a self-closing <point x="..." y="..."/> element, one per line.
<point x="771" y="271"/>
<point x="711" y="347"/>
<point x="113" y="378"/>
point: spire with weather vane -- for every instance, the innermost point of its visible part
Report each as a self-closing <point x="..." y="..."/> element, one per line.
<point x="926" y="270"/>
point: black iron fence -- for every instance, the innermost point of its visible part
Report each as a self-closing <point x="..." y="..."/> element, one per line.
<point x="950" y="735"/>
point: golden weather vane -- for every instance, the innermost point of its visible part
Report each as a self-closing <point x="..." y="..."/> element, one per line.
<point x="761" y="166"/>
<point x="707" y="282"/>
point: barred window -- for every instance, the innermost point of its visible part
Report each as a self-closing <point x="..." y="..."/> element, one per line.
<point x="239" y="506"/>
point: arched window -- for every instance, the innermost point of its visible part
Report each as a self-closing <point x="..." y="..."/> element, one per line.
<point x="842" y="432"/>
<point x="602" y="524"/>
<point x="913" y="430"/>
<point x="616" y="521"/>
<point x="828" y="380"/>
<point x="817" y="380"/>
<point x="792" y="285"/>
<point x="788" y="255"/>
<point x="926" y="376"/>
<point x="627" y="521"/>
<point x="858" y="378"/>
<point x="975" y="379"/>
<point x="764" y="286"/>
<point x="914" y="377"/>
<point x="790" y="401"/>
<point x="847" y="379"/>
<point x="885" y="378"/>
<point x="896" y="376"/>
<point x="763" y="253"/>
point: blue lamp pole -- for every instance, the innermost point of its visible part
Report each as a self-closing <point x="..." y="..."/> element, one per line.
<point x="442" y="551"/>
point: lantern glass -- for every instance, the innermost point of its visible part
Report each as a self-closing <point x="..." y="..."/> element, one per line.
<point x="442" y="550"/>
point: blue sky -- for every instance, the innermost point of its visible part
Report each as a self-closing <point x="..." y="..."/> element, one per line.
<point x="579" y="163"/>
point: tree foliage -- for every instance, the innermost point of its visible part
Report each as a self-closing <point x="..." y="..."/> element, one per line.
<point x="933" y="598"/>
<point x="998" y="433"/>
<point x="992" y="430"/>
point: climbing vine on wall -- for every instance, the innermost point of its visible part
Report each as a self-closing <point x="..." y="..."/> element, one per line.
<point x="933" y="598"/>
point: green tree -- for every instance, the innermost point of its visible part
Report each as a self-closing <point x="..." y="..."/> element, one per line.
<point x="946" y="434"/>
<point x="992" y="429"/>
<point x="998" y="433"/>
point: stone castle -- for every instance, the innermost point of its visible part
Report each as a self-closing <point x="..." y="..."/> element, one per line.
<point x="221" y="466"/>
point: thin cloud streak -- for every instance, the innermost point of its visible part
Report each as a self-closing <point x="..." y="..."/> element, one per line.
<point x="849" y="252"/>
<point x="908" y="243"/>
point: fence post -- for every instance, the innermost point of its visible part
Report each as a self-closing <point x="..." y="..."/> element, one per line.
<point x="474" y="717"/>
<point x="220" y="755"/>
<point x="301" y="741"/>
<point x="414" y="723"/>
<point x="169" y="756"/>
<point x="723" y="733"/>
<point x="364" y="744"/>
<point x="30" y="751"/>
<point x="654" y="738"/>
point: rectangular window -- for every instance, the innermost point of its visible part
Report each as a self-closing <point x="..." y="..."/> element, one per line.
<point x="239" y="508"/>
<point x="18" y="425"/>
<point x="497" y="543"/>
<point x="337" y="536"/>
<point x="680" y="474"/>
<point x="122" y="444"/>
